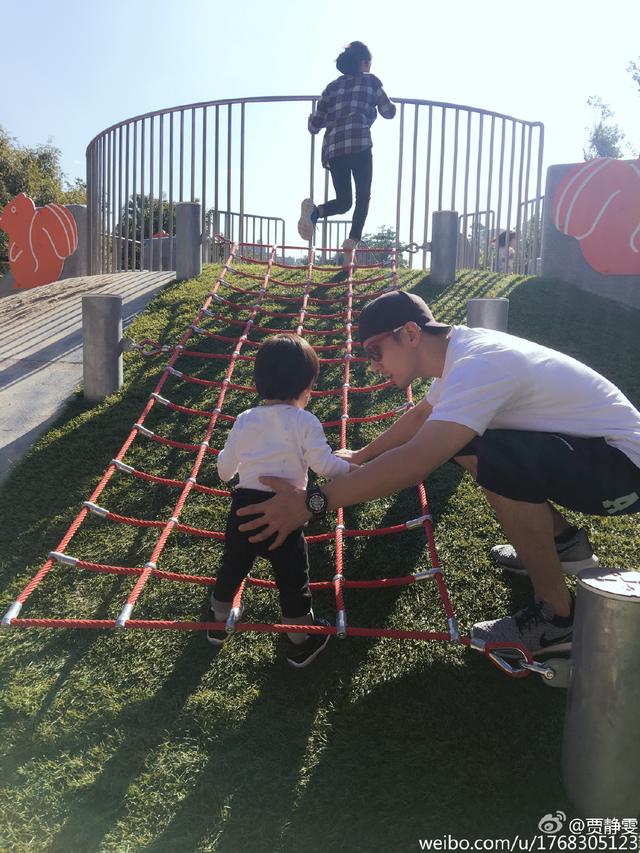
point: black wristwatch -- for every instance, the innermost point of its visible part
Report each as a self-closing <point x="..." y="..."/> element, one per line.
<point x="317" y="502"/>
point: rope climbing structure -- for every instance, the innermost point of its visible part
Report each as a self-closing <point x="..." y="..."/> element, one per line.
<point x="306" y="298"/>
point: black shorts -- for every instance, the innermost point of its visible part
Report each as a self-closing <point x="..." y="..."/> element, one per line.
<point x="583" y="474"/>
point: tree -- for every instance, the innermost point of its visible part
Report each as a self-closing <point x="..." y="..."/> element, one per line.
<point x="36" y="172"/>
<point x="384" y="238"/>
<point x="605" y="137"/>
<point x="634" y="69"/>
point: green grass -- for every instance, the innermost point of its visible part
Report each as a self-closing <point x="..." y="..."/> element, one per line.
<point x="152" y="741"/>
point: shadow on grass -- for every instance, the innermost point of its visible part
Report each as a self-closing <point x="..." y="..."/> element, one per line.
<point x="375" y="746"/>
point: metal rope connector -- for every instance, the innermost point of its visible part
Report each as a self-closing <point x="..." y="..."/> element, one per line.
<point x="123" y="618"/>
<point x="197" y="329"/>
<point x="159" y="399"/>
<point x="338" y="579"/>
<point x="175" y="372"/>
<point x="341" y="624"/>
<point x="416" y="522"/>
<point x="126" y="469"/>
<point x="234" y="616"/>
<point x="95" y="509"/>
<point x="12" y="613"/>
<point x="65" y="559"/>
<point x="143" y="430"/>
<point x="427" y="573"/>
<point x="453" y="629"/>
<point x="218" y="298"/>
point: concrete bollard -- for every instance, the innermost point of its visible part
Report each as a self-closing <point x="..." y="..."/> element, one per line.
<point x="444" y="246"/>
<point x="102" y="345"/>
<point x="601" y="748"/>
<point x="188" y="240"/>
<point x="488" y="313"/>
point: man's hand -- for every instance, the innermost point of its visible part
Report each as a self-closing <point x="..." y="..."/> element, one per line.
<point x="284" y="513"/>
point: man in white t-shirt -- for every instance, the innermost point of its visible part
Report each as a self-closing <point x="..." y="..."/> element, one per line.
<point x="530" y="424"/>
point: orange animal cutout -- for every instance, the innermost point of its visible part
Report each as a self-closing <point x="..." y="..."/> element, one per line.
<point x="39" y="240"/>
<point x="598" y="203"/>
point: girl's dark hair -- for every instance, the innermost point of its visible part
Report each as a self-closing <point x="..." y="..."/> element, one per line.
<point x="349" y="60"/>
<point x="285" y="365"/>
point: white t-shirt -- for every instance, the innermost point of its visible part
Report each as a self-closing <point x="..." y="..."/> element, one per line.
<point x="277" y="441"/>
<point x="492" y="380"/>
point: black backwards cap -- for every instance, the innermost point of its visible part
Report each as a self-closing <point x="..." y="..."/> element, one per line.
<point x="394" y="309"/>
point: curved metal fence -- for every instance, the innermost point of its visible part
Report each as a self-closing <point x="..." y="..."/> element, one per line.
<point x="242" y="155"/>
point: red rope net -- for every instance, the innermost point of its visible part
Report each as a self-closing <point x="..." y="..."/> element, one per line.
<point x="352" y="291"/>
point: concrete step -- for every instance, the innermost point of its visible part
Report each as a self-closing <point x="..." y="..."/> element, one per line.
<point x="41" y="349"/>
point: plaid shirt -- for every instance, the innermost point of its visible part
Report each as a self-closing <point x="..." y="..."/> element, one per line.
<point x="347" y="108"/>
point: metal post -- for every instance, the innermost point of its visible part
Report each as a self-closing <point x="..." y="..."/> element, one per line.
<point x="78" y="263"/>
<point x="101" y="350"/>
<point x="188" y="240"/>
<point x="488" y="313"/>
<point x="444" y="245"/>
<point x="601" y="749"/>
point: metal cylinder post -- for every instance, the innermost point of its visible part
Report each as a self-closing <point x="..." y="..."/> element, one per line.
<point x="101" y="350"/>
<point x="488" y="313"/>
<point x="444" y="246"/>
<point x="78" y="264"/>
<point x="188" y="240"/>
<point x="601" y="749"/>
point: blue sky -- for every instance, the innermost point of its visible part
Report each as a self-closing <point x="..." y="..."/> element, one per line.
<point x="73" y="68"/>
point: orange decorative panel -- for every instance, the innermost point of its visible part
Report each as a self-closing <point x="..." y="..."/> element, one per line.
<point x="40" y="239"/>
<point x="598" y="203"/>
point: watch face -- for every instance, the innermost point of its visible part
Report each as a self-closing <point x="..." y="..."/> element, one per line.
<point x="317" y="502"/>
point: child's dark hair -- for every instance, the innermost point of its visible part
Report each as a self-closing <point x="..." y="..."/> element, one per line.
<point x="349" y="60"/>
<point x="285" y="365"/>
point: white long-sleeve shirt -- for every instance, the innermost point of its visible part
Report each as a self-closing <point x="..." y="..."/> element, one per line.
<point x="277" y="441"/>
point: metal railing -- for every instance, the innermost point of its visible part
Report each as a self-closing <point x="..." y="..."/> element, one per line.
<point x="261" y="231"/>
<point x="232" y="155"/>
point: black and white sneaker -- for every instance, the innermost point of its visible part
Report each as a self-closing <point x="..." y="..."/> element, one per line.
<point x="302" y="654"/>
<point x="574" y="551"/>
<point x="218" y="638"/>
<point x="536" y="627"/>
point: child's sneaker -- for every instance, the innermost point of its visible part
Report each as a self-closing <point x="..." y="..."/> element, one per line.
<point x="308" y="219"/>
<point x="218" y="638"/>
<point x="302" y="654"/>
<point x="536" y="627"/>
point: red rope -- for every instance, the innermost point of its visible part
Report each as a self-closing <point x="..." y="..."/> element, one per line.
<point x="340" y="534"/>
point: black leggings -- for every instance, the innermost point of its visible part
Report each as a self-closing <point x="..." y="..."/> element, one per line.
<point x="290" y="562"/>
<point x="361" y="165"/>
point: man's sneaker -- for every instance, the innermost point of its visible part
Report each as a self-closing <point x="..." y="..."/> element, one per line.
<point x="575" y="554"/>
<point x="218" y="638"/>
<point x="308" y="219"/>
<point x="302" y="654"/>
<point x="535" y="627"/>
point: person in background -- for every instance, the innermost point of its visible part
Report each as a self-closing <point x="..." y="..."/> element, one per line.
<point x="506" y="253"/>
<point x="347" y="109"/>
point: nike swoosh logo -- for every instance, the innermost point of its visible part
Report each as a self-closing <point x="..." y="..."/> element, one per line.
<point x="544" y="642"/>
